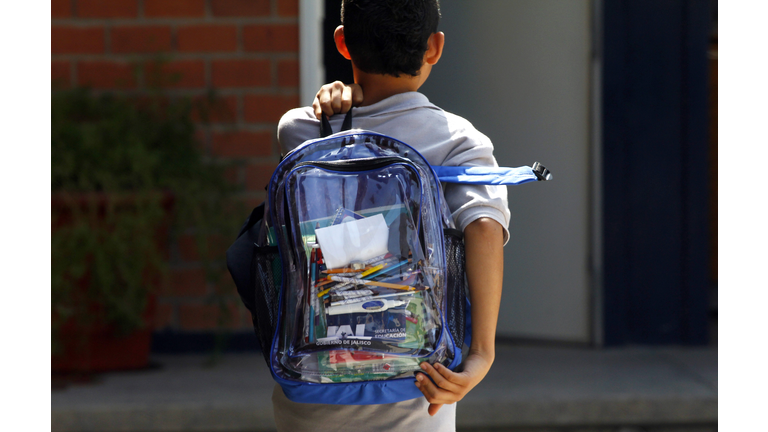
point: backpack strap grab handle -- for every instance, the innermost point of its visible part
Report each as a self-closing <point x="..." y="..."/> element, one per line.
<point x="492" y="175"/>
<point x="325" y="125"/>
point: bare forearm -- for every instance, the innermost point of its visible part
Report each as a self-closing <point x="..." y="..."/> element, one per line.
<point x="483" y="243"/>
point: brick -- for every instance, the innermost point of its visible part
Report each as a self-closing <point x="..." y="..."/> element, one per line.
<point x="225" y="286"/>
<point x="189" y="251"/>
<point x="163" y="316"/>
<point x="240" y="73"/>
<point x="222" y="109"/>
<point x="240" y="8"/>
<point x="77" y="40"/>
<point x="267" y="108"/>
<point x="141" y="39"/>
<point x="207" y="38"/>
<point x="60" y="74"/>
<point x="207" y="316"/>
<point x="105" y="75"/>
<point x="201" y="138"/>
<point x="288" y="73"/>
<point x="271" y="38"/>
<point x="188" y="283"/>
<point x="235" y="206"/>
<point x="148" y="100"/>
<point x="257" y="176"/>
<point x="107" y="8"/>
<point x="241" y="144"/>
<point x="174" y="8"/>
<point x="176" y="74"/>
<point x="232" y="174"/>
<point x="187" y="245"/>
<point x="198" y="316"/>
<point x="288" y="8"/>
<point x="61" y="8"/>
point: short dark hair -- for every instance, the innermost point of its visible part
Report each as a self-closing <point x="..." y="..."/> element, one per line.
<point x="389" y="37"/>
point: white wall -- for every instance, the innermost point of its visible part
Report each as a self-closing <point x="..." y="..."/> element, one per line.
<point x="519" y="70"/>
<point x="311" y="70"/>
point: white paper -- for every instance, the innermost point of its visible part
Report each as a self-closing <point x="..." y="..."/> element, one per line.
<point x="356" y="240"/>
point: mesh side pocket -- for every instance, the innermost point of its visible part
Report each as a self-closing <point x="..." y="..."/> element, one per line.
<point x="267" y="275"/>
<point x="456" y="284"/>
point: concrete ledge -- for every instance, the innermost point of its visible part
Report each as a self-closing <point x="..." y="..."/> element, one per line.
<point x="203" y="417"/>
<point x="545" y="387"/>
<point x="527" y="388"/>
<point x="591" y="413"/>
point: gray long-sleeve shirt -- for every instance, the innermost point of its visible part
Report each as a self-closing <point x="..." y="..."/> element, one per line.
<point x="441" y="137"/>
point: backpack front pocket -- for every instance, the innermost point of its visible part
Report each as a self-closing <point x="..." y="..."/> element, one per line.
<point x="364" y="297"/>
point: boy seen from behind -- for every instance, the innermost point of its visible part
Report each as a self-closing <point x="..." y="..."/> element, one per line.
<point x="393" y="45"/>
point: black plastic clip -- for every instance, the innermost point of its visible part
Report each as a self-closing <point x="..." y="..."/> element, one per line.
<point x="542" y="173"/>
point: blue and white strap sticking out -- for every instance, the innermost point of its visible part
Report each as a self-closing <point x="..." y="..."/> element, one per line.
<point x="491" y="175"/>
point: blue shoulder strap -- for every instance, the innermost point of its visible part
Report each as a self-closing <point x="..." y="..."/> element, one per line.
<point x="491" y="175"/>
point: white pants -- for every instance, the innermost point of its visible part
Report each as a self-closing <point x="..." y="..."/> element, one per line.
<point x="406" y="416"/>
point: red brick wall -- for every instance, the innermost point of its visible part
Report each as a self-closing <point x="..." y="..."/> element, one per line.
<point x="245" y="50"/>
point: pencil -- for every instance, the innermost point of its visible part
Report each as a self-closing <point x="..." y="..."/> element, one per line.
<point x="371" y="282"/>
<point x="387" y="269"/>
<point x="342" y="270"/>
<point x="323" y="292"/>
<point x="313" y="275"/>
<point x="371" y="270"/>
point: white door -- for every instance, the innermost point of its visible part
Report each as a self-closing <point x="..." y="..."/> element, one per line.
<point x="519" y="71"/>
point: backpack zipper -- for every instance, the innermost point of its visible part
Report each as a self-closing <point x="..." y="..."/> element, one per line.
<point x="346" y="165"/>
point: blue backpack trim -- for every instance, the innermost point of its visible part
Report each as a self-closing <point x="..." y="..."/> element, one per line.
<point x="485" y="175"/>
<point x="356" y="393"/>
<point x="364" y="392"/>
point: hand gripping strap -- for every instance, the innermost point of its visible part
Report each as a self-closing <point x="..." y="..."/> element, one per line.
<point x="492" y="175"/>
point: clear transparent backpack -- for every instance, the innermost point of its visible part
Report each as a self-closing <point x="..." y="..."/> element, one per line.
<point x="356" y="271"/>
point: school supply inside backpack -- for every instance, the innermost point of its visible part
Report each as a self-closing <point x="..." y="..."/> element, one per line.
<point x="353" y="270"/>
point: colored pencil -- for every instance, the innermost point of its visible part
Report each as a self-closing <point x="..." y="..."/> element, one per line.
<point x="373" y="269"/>
<point x="371" y="282"/>
<point x="387" y="269"/>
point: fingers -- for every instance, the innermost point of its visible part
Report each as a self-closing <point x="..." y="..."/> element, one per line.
<point x="440" y="377"/>
<point x="335" y="98"/>
<point x="440" y="385"/>
<point x="336" y="92"/>
<point x="434" y="408"/>
<point x="323" y="102"/>
<point x="444" y="387"/>
<point x="432" y="393"/>
<point x="317" y="104"/>
<point x="328" y="99"/>
<point x="357" y="94"/>
<point x="346" y="99"/>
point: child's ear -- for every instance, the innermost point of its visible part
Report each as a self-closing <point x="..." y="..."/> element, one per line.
<point x="435" y="45"/>
<point x="341" y="44"/>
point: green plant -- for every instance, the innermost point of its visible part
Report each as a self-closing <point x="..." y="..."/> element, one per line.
<point x="118" y="167"/>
